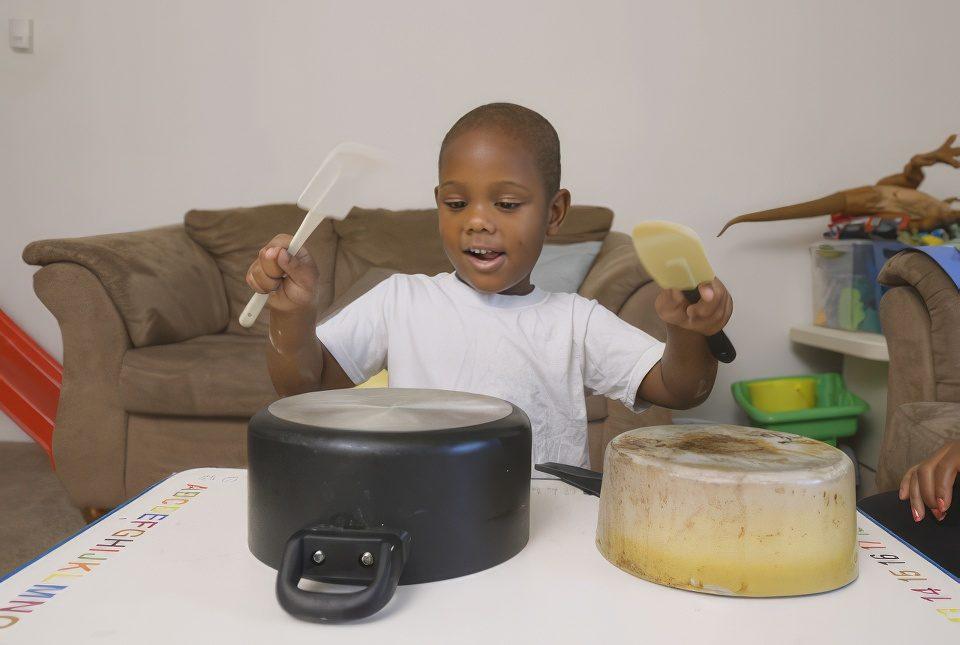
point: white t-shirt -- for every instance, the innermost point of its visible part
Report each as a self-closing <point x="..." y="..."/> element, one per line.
<point x="540" y="351"/>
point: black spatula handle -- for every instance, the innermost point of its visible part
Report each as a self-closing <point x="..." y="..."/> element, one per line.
<point x="589" y="481"/>
<point x="720" y="346"/>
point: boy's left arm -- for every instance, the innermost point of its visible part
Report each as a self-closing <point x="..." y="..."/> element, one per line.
<point x="684" y="376"/>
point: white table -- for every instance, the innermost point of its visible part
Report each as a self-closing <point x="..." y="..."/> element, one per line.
<point x="191" y="579"/>
<point x="865" y="370"/>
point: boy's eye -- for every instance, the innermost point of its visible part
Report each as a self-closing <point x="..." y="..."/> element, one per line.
<point x="509" y="206"/>
<point x="456" y="204"/>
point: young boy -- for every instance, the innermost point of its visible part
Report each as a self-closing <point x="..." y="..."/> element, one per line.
<point x="485" y="328"/>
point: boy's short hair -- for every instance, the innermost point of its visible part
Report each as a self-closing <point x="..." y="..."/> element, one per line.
<point x="520" y="123"/>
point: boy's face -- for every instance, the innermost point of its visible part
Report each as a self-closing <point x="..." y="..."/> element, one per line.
<point x="494" y="211"/>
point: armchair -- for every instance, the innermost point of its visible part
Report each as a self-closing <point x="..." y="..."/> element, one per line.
<point x="920" y="316"/>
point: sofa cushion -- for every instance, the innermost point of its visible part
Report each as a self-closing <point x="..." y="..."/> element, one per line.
<point x="233" y="236"/>
<point x="222" y="375"/>
<point x="583" y="224"/>
<point x="561" y="268"/>
<point x="616" y="274"/>
<point x="408" y="241"/>
<point x="914" y="433"/>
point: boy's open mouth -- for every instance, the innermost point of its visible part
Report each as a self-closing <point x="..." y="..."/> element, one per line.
<point x="485" y="259"/>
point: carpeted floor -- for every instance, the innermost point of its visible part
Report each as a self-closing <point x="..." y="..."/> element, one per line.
<point x="36" y="514"/>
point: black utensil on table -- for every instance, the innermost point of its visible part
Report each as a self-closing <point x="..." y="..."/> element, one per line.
<point x="589" y="481"/>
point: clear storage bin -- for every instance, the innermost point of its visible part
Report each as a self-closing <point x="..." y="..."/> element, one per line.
<point x="846" y="294"/>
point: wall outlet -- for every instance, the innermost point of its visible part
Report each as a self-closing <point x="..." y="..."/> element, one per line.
<point x="21" y="34"/>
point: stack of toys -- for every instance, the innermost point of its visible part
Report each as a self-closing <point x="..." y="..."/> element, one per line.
<point x="845" y="227"/>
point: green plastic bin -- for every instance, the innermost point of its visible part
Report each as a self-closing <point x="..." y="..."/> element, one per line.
<point x="834" y="415"/>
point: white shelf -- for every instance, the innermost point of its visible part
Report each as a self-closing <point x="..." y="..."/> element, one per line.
<point x="850" y="343"/>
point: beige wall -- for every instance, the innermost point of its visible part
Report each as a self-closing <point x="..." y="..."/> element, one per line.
<point x="131" y="112"/>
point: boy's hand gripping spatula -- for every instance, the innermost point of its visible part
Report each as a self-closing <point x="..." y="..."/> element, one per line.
<point x="673" y="256"/>
<point x="345" y="164"/>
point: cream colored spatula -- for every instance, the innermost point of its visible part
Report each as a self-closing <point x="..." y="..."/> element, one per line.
<point x="344" y="166"/>
<point x="673" y="256"/>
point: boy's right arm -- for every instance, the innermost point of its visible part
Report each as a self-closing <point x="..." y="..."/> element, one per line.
<point x="297" y="360"/>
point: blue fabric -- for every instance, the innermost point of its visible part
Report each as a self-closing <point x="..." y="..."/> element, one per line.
<point x="948" y="257"/>
<point x="563" y="267"/>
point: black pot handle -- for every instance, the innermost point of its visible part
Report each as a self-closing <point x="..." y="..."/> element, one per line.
<point x="343" y="561"/>
<point x="589" y="481"/>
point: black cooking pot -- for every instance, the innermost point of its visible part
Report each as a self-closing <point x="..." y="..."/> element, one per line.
<point x="380" y="487"/>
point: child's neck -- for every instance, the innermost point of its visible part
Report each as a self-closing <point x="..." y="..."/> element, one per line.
<point x="522" y="288"/>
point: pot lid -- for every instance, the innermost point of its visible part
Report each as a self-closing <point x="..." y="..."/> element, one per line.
<point x="390" y="409"/>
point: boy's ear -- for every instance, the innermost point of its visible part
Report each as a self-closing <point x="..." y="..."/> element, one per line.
<point x="558" y="210"/>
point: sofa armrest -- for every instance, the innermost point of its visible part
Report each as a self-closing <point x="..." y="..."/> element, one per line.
<point x="89" y="440"/>
<point x="909" y="329"/>
<point x="914" y="432"/>
<point x="906" y="325"/>
<point x="164" y="286"/>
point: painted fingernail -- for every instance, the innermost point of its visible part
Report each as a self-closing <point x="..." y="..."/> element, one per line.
<point x="941" y="505"/>
<point x="916" y="515"/>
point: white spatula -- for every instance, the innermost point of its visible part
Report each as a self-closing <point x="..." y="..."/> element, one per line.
<point x="345" y="168"/>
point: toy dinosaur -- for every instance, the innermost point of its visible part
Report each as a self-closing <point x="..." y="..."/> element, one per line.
<point x="893" y="197"/>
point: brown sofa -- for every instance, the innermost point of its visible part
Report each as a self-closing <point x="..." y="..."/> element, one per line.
<point x="920" y="316"/>
<point x="160" y="377"/>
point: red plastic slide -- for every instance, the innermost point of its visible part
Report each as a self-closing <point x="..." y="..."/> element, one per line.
<point x="29" y="383"/>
